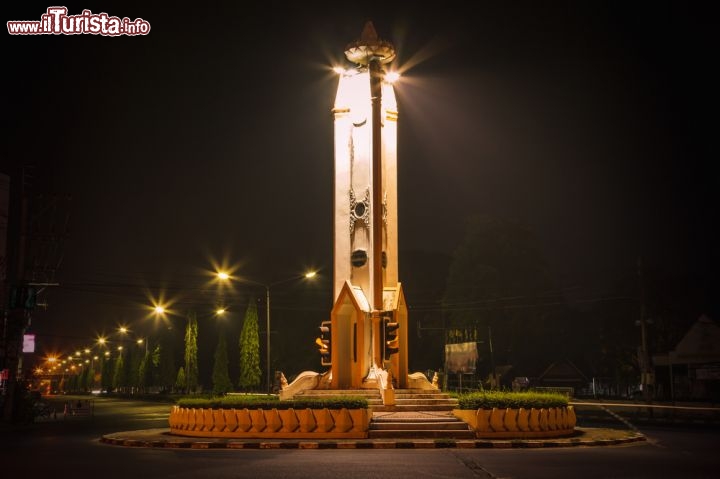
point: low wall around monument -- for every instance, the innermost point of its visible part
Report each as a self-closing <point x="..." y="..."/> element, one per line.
<point x="270" y="423"/>
<point x="519" y="423"/>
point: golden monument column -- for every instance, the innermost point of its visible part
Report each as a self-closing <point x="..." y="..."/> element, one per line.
<point x="365" y="217"/>
<point x="365" y="342"/>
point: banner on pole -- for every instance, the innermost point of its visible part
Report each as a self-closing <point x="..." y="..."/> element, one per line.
<point x="461" y="357"/>
<point x="28" y="343"/>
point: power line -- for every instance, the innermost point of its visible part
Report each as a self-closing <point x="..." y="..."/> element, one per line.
<point x="521" y="306"/>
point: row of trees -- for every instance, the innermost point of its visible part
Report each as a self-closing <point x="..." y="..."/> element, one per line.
<point x="155" y="369"/>
<point x="496" y="290"/>
<point x="501" y="293"/>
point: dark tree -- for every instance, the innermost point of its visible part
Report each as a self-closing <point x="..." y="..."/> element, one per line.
<point x="106" y="375"/>
<point x="191" y="353"/>
<point x="498" y="281"/>
<point x="221" y="375"/>
<point x="119" y="380"/>
<point x="250" y="350"/>
<point x="164" y="359"/>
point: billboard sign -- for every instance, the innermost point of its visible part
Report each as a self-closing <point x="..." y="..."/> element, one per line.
<point x="461" y="357"/>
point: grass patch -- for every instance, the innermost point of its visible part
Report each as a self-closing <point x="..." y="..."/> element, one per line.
<point x="511" y="399"/>
<point x="263" y="401"/>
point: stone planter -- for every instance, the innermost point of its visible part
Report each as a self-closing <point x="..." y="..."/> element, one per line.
<point x="519" y="423"/>
<point x="270" y="423"/>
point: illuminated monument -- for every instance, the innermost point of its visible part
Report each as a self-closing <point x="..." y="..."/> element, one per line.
<point x="365" y="342"/>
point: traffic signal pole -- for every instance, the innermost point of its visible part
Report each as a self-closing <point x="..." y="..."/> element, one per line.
<point x="15" y="320"/>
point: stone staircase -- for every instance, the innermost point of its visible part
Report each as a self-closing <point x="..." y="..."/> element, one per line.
<point x="418" y="425"/>
<point x="413" y="400"/>
<point x="417" y="413"/>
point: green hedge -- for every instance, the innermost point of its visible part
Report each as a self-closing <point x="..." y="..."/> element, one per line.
<point x="272" y="402"/>
<point x="510" y="399"/>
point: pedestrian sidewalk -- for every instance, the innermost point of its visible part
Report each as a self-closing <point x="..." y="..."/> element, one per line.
<point x="161" y="438"/>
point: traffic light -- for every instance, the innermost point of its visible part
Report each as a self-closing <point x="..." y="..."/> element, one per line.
<point x="324" y="343"/>
<point x="390" y="337"/>
<point x="24" y="297"/>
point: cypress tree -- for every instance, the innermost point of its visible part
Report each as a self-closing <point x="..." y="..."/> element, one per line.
<point x="119" y="379"/>
<point x="145" y="373"/>
<point x="106" y="375"/>
<point x="250" y="350"/>
<point x="180" y="378"/>
<point x="221" y="376"/>
<point x="191" y="353"/>
<point x="164" y="357"/>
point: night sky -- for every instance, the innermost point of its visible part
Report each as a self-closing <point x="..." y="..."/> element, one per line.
<point x="210" y="140"/>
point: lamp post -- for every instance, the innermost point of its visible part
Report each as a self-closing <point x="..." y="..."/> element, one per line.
<point x="223" y="276"/>
<point x="142" y="341"/>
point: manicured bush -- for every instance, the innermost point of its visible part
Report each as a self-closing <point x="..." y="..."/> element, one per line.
<point x="251" y="401"/>
<point x="511" y="399"/>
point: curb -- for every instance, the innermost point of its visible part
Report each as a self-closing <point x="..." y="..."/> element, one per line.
<point x="126" y="440"/>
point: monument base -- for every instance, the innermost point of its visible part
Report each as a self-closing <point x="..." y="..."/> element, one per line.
<point x="314" y="381"/>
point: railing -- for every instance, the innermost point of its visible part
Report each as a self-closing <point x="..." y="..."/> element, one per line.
<point x="567" y="391"/>
<point x="384" y="383"/>
<point x="654" y="412"/>
<point x="80" y="407"/>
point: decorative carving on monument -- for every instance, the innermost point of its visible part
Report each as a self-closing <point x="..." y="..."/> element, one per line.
<point x="359" y="210"/>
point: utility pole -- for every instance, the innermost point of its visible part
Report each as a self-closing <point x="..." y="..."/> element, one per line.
<point x="643" y="358"/>
<point x="493" y="384"/>
<point x="15" y="320"/>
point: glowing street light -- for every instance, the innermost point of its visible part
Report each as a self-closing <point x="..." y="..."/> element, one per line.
<point x="140" y="342"/>
<point x="392" y="77"/>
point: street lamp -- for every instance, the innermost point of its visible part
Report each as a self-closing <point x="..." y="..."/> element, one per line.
<point x="140" y="342"/>
<point x="223" y="276"/>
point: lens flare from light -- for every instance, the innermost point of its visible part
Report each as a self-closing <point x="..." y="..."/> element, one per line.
<point x="392" y="77"/>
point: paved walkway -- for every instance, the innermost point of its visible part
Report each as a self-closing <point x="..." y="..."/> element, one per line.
<point x="161" y="438"/>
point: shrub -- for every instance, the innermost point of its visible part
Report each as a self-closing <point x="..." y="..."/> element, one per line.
<point x="510" y="399"/>
<point x="258" y="401"/>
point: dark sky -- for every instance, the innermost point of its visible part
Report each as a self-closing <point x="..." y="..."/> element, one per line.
<point x="210" y="139"/>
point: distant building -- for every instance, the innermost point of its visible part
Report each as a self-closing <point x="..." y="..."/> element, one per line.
<point x="691" y="371"/>
<point x="562" y="376"/>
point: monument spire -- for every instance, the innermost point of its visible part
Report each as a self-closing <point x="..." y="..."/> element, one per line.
<point x="370" y="47"/>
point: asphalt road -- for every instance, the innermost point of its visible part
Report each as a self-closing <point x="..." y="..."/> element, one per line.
<point x="71" y="448"/>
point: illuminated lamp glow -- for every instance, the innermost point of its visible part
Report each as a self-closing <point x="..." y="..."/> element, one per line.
<point x="392" y="77"/>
